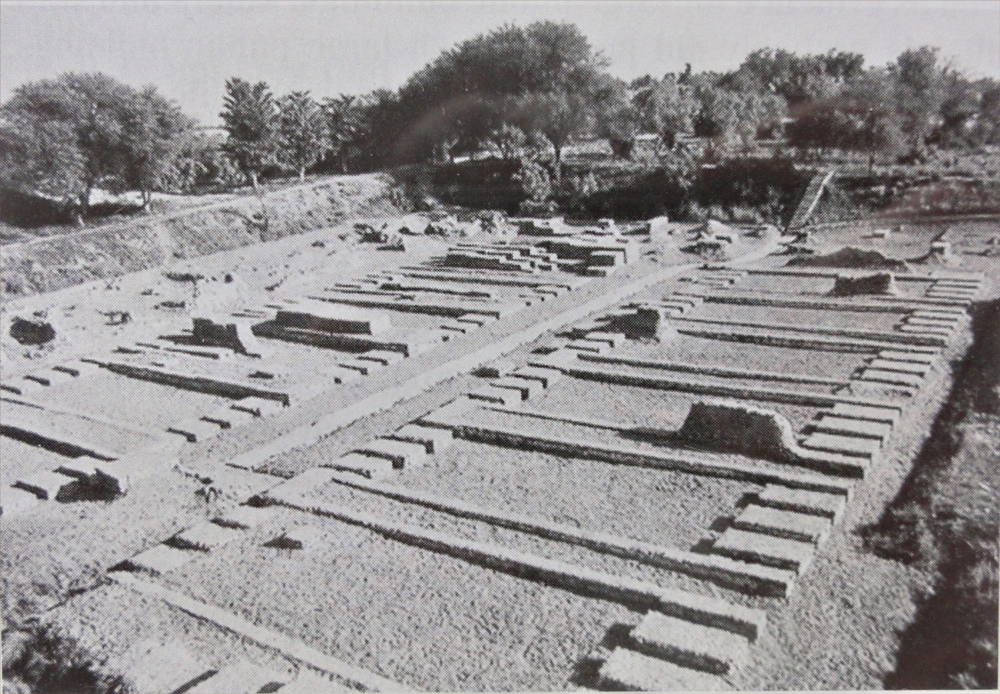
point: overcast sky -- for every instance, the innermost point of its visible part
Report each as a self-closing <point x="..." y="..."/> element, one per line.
<point x="189" y="49"/>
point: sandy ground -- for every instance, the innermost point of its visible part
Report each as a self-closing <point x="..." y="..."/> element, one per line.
<point x="422" y="618"/>
<point x="293" y="264"/>
<point x="664" y="507"/>
<point x="438" y="622"/>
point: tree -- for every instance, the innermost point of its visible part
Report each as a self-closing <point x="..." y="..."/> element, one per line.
<point x="959" y="108"/>
<point x="799" y="79"/>
<point x="344" y="126"/>
<point x="42" y="157"/>
<point x="822" y="126"/>
<point x="508" y="140"/>
<point x="65" y="136"/>
<point x="618" y="118"/>
<point x="920" y="91"/>
<point x="558" y="115"/>
<point x="251" y="121"/>
<point x="986" y="129"/>
<point x="300" y="132"/>
<point x="668" y="109"/>
<point x="154" y="138"/>
<point x="473" y="89"/>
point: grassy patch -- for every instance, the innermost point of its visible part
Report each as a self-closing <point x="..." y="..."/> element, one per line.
<point x="945" y="519"/>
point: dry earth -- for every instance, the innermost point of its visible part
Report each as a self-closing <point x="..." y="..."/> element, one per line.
<point x="362" y="589"/>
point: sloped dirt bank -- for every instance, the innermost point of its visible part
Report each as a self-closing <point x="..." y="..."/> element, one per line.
<point x="54" y="263"/>
<point x="945" y="521"/>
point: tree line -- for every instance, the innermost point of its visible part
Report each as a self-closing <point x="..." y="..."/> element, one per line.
<point x="509" y="91"/>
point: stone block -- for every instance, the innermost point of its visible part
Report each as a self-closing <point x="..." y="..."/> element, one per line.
<point x="896" y="355"/>
<point x="886" y="415"/>
<point x="227" y="417"/>
<point x="194" y="430"/>
<point x="78" y="368"/>
<point x="83" y="468"/>
<point x="334" y="318"/>
<point x="739" y="427"/>
<point x="526" y="386"/>
<point x="51" y="377"/>
<point x="947" y="323"/>
<point x="433" y="439"/>
<point x="48" y="485"/>
<point x="159" y="559"/>
<point x="780" y="523"/>
<point x="606" y="259"/>
<point x="258" y="407"/>
<point x="110" y="478"/>
<point x="382" y="356"/>
<point x="543" y="375"/>
<point x="892" y="378"/>
<point x="458" y="328"/>
<point x="647" y="323"/>
<point x="765" y="549"/>
<point x="475" y="320"/>
<point x="833" y="463"/>
<point x="803" y="501"/>
<point x="921" y="330"/>
<point x="854" y="285"/>
<point x="495" y="369"/>
<point x="584" y="345"/>
<point x="204" y="536"/>
<point x="843" y="445"/>
<point x="853" y="427"/>
<point x="218" y="332"/>
<point x="244" y="517"/>
<point x="402" y="454"/>
<point x="371" y="467"/>
<point x="628" y="670"/>
<point x="365" y="368"/>
<point x="613" y="340"/>
<point x="905" y="367"/>
<point x="688" y="644"/>
<point x="497" y="395"/>
<point x="559" y="358"/>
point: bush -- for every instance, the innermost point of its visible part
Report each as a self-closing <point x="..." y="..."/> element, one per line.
<point x="44" y="660"/>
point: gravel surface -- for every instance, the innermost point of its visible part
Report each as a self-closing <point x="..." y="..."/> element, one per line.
<point x="797" y="316"/>
<point x="701" y="350"/>
<point x="421" y="618"/>
<point x="137" y="403"/>
<point x="110" y="619"/>
<point x="341" y="496"/>
<point x="73" y="428"/>
<point x="663" y="409"/>
<point x="660" y="506"/>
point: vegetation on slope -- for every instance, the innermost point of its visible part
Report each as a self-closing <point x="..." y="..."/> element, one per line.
<point x="945" y="519"/>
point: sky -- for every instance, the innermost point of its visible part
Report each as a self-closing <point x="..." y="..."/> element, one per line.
<point x="189" y="49"/>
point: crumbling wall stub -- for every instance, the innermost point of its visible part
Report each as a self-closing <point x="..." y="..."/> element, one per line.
<point x="740" y="428"/>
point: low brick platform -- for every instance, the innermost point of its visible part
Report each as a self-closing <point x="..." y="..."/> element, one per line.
<point x="690" y="645"/>
<point x="803" y="501"/>
<point x="628" y="670"/>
